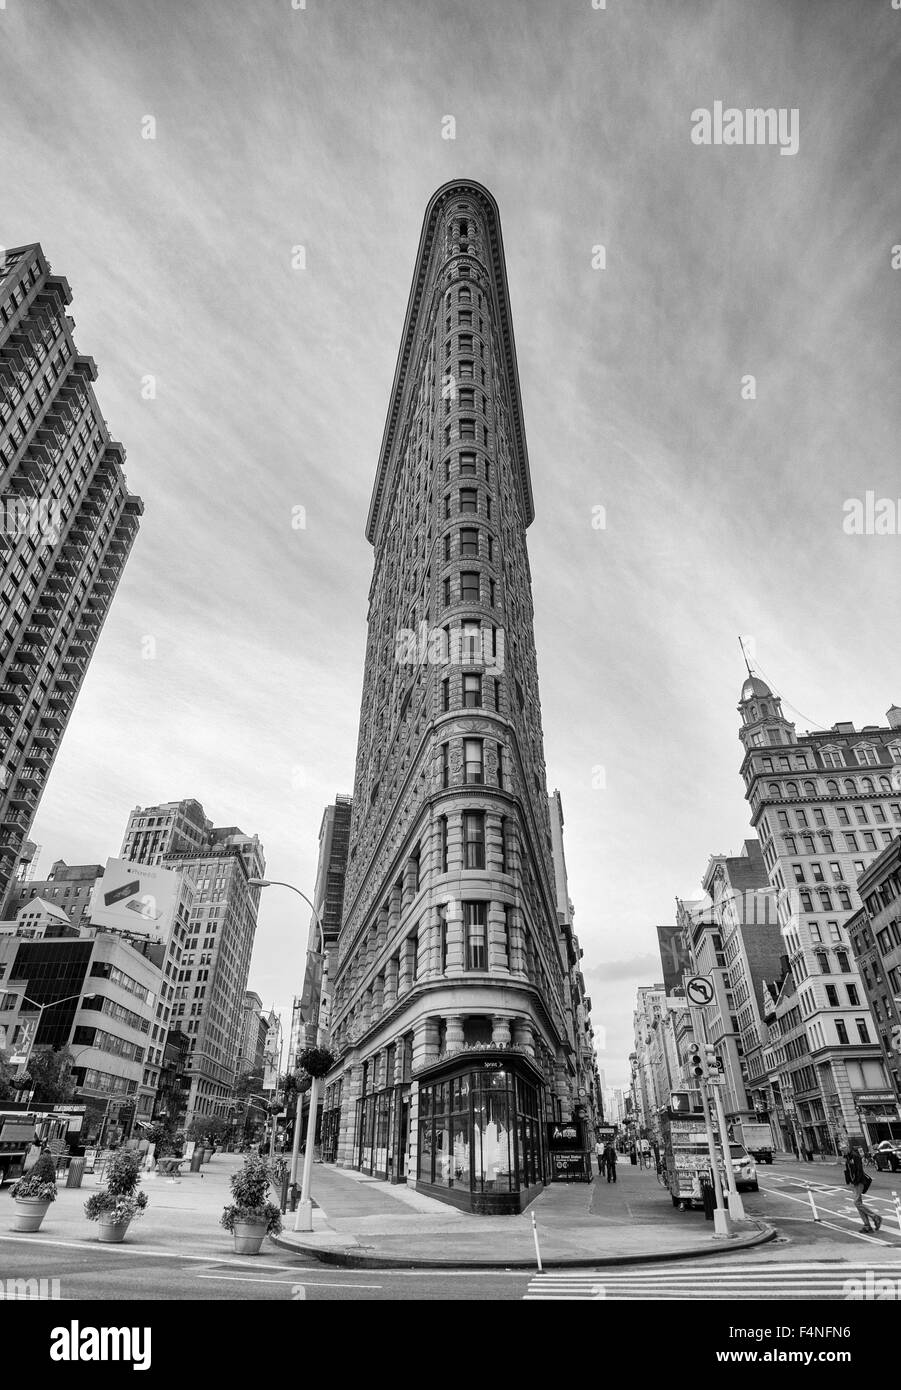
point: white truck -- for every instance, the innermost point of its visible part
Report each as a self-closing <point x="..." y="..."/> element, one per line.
<point x="757" y="1138"/>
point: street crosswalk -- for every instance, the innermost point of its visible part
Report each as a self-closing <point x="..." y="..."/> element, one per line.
<point x="808" y="1280"/>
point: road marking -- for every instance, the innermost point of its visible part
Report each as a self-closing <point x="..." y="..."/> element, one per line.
<point x="261" y="1279"/>
<point x="129" y="1248"/>
<point x="856" y="1235"/>
<point x="744" y="1281"/>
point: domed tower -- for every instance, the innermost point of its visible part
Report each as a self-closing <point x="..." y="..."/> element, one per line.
<point x="763" y="722"/>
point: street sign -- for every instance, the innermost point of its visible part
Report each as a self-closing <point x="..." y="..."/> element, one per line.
<point x="699" y="990"/>
<point x="676" y="1001"/>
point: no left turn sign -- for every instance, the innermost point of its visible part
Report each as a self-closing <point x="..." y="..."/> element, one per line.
<point x="699" y="990"/>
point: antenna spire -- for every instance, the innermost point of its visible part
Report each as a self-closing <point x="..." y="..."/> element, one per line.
<point x="741" y="643"/>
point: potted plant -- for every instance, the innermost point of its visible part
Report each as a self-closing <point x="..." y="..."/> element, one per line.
<point x="33" y="1194"/>
<point x="116" y="1207"/>
<point x="250" y="1216"/>
<point x="316" y="1061"/>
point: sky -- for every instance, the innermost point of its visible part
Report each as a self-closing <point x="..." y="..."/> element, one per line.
<point x="721" y="388"/>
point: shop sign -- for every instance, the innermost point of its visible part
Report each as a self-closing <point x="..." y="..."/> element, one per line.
<point x="876" y="1098"/>
<point x="568" y="1167"/>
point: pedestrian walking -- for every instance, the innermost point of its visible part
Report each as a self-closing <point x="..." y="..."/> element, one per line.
<point x="610" y="1161"/>
<point x="860" y="1182"/>
<point x="599" y="1150"/>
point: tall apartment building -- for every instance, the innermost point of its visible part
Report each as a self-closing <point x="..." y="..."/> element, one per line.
<point x="823" y="807"/>
<point x="328" y="895"/>
<point x="448" y="1010"/>
<point x="656" y="1070"/>
<point x="253" y="1033"/>
<point x="734" y="939"/>
<point x="67" y="524"/>
<point x="211" y="975"/>
<point x="585" y="1084"/>
<point x="875" y="935"/>
<point x="108" y="991"/>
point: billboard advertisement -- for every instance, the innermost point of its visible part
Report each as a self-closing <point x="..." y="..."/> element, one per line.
<point x="139" y="899"/>
<point x="674" y="957"/>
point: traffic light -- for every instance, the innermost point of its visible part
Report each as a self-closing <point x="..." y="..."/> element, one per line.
<point x="711" y="1060"/>
<point x="696" y="1061"/>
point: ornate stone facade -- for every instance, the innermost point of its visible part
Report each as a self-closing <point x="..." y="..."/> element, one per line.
<point x="449" y="935"/>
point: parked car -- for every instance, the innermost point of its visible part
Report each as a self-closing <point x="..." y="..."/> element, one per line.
<point x="744" y="1168"/>
<point x="887" y="1156"/>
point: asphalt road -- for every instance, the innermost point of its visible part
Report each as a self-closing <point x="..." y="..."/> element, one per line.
<point x="810" y="1259"/>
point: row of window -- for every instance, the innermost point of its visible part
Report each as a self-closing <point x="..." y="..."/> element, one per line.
<point x="866" y="755"/>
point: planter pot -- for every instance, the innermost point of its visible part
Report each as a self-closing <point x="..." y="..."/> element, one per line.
<point x="249" y="1237"/>
<point x="30" y="1212"/>
<point x="112" y="1232"/>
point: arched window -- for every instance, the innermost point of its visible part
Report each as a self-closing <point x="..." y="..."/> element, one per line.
<point x="774" y="790"/>
<point x="850" y="788"/>
<point x="832" y="787"/>
<point x="810" y="789"/>
<point x="884" y="784"/>
<point x="866" y="784"/>
<point x="791" y="788"/>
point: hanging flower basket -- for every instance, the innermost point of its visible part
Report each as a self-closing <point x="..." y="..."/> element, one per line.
<point x="316" y="1061"/>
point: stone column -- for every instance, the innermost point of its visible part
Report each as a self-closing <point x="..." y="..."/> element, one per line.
<point x="454" y="937"/>
<point x="350" y="1094"/>
<point x="454" y="1035"/>
<point x="394" y="903"/>
<point x="381" y="935"/>
<point x="430" y="932"/>
<point x="500" y="1030"/>
<point x="523" y="1036"/>
<point x="425" y="1042"/>
<point x="517" y="957"/>
<point x="399" y="1052"/>
<point x="410" y="881"/>
<point x="366" y="1009"/>
<point x="407" y="957"/>
<point x="494" y="843"/>
<point x="454" y="841"/>
<point x="378" y="996"/>
<point x="498" y="958"/>
<point x="391" y="972"/>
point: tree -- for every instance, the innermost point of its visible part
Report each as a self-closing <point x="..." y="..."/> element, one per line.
<point x="211" y="1127"/>
<point x="165" y="1135"/>
<point x="249" y="1082"/>
<point x="50" y="1074"/>
<point x="10" y="1084"/>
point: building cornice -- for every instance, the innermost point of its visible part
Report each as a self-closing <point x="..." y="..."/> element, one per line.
<point x="455" y="188"/>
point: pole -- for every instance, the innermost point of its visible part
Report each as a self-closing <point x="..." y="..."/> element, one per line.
<point x="537" y="1246"/>
<point x="736" y="1205"/>
<point x="303" y="1220"/>
<point x="721" y="1223"/>
<point x="295" y="1140"/>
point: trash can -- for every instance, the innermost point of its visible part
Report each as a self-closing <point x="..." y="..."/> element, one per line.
<point x="75" y="1173"/>
<point x="286" y="1178"/>
<point x="196" y="1160"/>
<point x="708" y="1197"/>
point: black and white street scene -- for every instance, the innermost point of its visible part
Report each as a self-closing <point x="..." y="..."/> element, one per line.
<point x="450" y="726"/>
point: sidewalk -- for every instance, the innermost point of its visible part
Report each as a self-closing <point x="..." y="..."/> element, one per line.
<point x="181" y="1216"/>
<point x="365" y="1223"/>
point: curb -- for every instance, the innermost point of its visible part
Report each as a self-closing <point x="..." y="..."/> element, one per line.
<point x="354" y="1257"/>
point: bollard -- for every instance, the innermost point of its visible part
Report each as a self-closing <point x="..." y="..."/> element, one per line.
<point x="813" y="1204"/>
<point x="897" y="1201"/>
<point x="537" y="1246"/>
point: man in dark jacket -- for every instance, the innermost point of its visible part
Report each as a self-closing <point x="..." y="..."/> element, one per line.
<point x="610" y="1161"/>
<point x="856" y="1178"/>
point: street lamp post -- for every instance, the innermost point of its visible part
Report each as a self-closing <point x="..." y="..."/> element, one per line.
<point x="303" y="1219"/>
<point x="41" y="1008"/>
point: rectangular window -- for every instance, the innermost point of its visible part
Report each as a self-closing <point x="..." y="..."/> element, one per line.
<point x="445" y="764"/>
<point x="442" y="842"/>
<point x="445" y="695"/>
<point x="468" y="464"/>
<point x="467" y="429"/>
<point x="832" y="996"/>
<point x="472" y="692"/>
<point x="469" y="499"/>
<point x="841" y="1032"/>
<point x="469" y="586"/>
<point x="469" y="542"/>
<point x="475" y="933"/>
<point x="473" y="840"/>
<point x="473" y="766"/>
<point x="862" y="1030"/>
